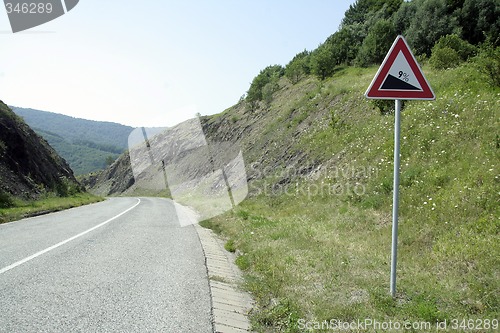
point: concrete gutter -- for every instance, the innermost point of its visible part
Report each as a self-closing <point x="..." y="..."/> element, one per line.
<point x="230" y="305"/>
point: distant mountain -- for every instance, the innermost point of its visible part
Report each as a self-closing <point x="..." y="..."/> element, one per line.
<point x="86" y="145"/>
<point x="29" y="167"/>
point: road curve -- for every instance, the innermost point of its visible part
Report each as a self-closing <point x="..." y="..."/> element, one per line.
<point x="122" y="265"/>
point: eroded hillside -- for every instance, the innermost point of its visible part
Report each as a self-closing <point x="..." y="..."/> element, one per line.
<point x="319" y="158"/>
<point x="29" y="167"/>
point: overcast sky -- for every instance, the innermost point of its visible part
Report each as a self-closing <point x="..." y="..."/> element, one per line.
<point x="156" y="62"/>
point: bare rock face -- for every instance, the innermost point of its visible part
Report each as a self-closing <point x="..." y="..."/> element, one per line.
<point x="114" y="180"/>
<point x="28" y="165"/>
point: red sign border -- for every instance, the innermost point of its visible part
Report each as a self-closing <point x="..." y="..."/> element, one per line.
<point x="374" y="91"/>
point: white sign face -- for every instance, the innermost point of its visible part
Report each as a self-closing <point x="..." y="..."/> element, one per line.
<point x="402" y="71"/>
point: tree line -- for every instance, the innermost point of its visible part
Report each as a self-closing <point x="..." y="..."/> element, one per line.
<point x="444" y="32"/>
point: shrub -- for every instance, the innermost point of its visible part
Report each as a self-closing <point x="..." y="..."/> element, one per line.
<point x="298" y="67"/>
<point x="268" y="91"/>
<point x="6" y="200"/>
<point x="322" y="61"/>
<point x="376" y="43"/>
<point x="464" y="49"/>
<point x="230" y="246"/>
<point x="450" y="51"/>
<point x="66" y="188"/>
<point x="270" y="74"/>
<point x="488" y="62"/>
<point x="386" y="106"/>
<point x="443" y="58"/>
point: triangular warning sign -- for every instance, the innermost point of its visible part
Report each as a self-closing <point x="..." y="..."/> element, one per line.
<point x="399" y="76"/>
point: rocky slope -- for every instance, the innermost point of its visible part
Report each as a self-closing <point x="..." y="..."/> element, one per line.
<point x="29" y="167"/>
<point x="269" y="138"/>
<point x="116" y="179"/>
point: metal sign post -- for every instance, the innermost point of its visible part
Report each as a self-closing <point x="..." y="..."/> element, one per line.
<point x="395" y="196"/>
<point x="399" y="77"/>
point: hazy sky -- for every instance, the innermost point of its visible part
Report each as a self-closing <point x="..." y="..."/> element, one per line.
<point x="156" y="62"/>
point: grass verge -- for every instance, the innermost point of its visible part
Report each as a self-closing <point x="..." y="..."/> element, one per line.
<point x="22" y="209"/>
<point x="317" y="249"/>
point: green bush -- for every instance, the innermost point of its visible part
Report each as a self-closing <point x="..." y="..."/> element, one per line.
<point x="322" y="61"/>
<point x="243" y="262"/>
<point x="488" y="62"/>
<point x="66" y="188"/>
<point x="268" y="91"/>
<point x="386" y="106"/>
<point x="270" y="74"/>
<point x="6" y="200"/>
<point x="376" y="44"/>
<point x="464" y="49"/>
<point x="450" y="51"/>
<point x="230" y="246"/>
<point x="298" y="67"/>
<point x="445" y="57"/>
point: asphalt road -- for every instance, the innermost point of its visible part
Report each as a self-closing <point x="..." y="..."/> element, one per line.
<point x="90" y="269"/>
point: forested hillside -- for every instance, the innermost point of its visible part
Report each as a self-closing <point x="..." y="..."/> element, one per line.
<point x="85" y="144"/>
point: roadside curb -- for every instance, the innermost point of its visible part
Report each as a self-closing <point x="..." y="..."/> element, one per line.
<point x="230" y="305"/>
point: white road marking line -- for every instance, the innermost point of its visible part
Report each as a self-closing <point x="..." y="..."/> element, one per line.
<point x="25" y="260"/>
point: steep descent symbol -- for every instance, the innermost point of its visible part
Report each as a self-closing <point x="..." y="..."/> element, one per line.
<point x="393" y="83"/>
<point x="24" y="15"/>
<point x="399" y="76"/>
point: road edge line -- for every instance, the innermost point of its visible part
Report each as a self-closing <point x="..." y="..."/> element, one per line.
<point x="33" y="256"/>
